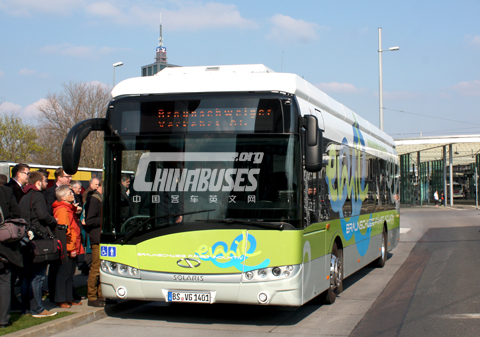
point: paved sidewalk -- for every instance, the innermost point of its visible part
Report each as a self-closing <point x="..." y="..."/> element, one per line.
<point x="83" y="314"/>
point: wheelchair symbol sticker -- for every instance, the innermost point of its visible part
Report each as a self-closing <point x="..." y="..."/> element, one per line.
<point x="108" y="251"/>
<point x="104" y="251"/>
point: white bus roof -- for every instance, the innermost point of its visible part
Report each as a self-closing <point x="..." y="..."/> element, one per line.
<point x="241" y="78"/>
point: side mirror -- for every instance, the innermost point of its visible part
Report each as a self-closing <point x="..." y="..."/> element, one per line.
<point x="72" y="145"/>
<point x="311" y="125"/>
<point x="313" y="146"/>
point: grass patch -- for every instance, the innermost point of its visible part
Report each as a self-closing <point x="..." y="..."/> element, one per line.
<point x="26" y="321"/>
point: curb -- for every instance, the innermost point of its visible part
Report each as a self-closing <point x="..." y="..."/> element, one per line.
<point x="75" y="320"/>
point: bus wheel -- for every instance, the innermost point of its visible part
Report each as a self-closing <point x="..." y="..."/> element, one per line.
<point x="383" y="258"/>
<point x="336" y="275"/>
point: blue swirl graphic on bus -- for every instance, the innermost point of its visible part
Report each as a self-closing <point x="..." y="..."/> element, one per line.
<point x="236" y="255"/>
<point x="345" y="177"/>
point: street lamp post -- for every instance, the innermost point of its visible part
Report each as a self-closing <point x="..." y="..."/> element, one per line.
<point x="118" y="64"/>
<point x="380" y="92"/>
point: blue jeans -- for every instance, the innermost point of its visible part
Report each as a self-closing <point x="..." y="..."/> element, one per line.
<point x="32" y="288"/>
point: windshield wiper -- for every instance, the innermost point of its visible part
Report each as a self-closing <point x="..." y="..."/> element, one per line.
<point x="274" y="225"/>
<point x="141" y="224"/>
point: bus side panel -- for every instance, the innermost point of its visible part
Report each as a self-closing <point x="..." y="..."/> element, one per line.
<point x="371" y="246"/>
<point x="353" y="261"/>
<point x="315" y="262"/>
<point x="394" y="232"/>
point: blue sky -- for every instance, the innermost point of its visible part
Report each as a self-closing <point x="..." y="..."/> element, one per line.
<point x="431" y="85"/>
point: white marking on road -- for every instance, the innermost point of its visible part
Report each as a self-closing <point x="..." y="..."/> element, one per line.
<point x="404" y="230"/>
<point x="462" y="316"/>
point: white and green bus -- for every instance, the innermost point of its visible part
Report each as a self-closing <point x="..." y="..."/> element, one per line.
<point x="246" y="186"/>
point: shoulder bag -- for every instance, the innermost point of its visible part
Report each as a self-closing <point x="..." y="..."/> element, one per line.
<point x="45" y="249"/>
<point x="11" y="230"/>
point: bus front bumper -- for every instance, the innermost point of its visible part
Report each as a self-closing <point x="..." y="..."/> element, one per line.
<point x="287" y="292"/>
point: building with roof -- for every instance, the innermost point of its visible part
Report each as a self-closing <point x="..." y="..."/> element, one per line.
<point x="447" y="163"/>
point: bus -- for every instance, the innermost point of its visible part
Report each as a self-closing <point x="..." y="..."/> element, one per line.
<point x="83" y="174"/>
<point x="248" y="186"/>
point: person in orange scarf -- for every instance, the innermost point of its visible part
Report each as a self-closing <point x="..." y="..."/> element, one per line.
<point x="64" y="211"/>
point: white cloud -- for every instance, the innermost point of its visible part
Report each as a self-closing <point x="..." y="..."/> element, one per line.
<point x="189" y="16"/>
<point x="26" y="72"/>
<point x="184" y="15"/>
<point x="31" y="110"/>
<point x="30" y="72"/>
<point x="475" y="42"/>
<point x="101" y="84"/>
<point x="467" y="88"/>
<point x="288" y="30"/>
<point x="339" y="87"/>
<point x="27" y="8"/>
<point x="9" y="107"/>
<point x="2" y="74"/>
<point x="104" y="9"/>
<point x="89" y="52"/>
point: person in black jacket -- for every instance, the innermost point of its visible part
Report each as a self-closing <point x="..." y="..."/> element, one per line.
<point x="9" y="255"/>
<point x="34" y="210"/>
<point x="20" y="173"/>
<point x="93" y="227"/>
<point x="3" y="179"/>
<point x="76" y="187"/>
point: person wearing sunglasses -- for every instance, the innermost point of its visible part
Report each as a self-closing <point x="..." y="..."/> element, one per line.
<point x="20" y="173"/>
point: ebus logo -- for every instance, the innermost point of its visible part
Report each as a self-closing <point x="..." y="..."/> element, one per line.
<point x="199" y="179"/>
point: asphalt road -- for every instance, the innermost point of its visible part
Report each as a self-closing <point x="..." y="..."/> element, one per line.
<point x="430" y="286"/>
<point x="437" y="290"/>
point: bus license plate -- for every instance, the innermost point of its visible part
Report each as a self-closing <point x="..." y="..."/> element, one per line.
<point x="197" y="297"/>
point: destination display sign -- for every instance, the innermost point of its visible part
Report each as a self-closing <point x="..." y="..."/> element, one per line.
<point x="211" y="119"/>
<point x="206" y="115"/>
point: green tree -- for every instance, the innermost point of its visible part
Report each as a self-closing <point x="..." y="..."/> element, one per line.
<point x="18" y="141"/>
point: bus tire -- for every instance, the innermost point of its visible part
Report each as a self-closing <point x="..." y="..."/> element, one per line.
<point x="383" y="257"/>
<point x="336" y="275"/>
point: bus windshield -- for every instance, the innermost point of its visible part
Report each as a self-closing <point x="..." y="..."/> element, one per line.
<point x="236" y="176"/>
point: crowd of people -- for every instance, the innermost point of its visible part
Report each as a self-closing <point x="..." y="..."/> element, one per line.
<point x="62" y="212"/>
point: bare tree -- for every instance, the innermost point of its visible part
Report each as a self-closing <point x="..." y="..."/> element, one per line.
<point x="61" y="111"/>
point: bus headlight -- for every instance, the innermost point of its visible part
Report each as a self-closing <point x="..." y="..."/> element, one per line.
<point x="271" y="274"/>
<point x="123" y="269"/>
<point x="119" y="269"/>
<point x="104" y="266"/>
